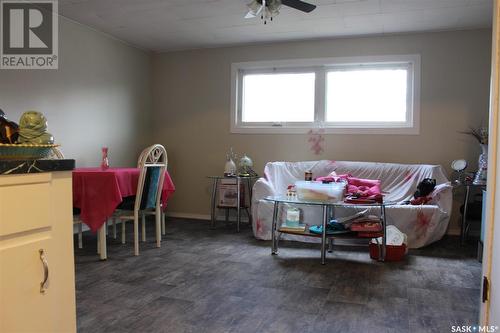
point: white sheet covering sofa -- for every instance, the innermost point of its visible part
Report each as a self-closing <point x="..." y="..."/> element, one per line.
<point x="423" y="224"/>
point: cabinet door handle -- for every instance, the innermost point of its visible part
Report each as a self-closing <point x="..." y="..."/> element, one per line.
<point x="43" y="284"/>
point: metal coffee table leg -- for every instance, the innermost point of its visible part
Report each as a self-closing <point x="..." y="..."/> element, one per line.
<point x="323" y="235"/>
<point x="331" y="215"/>
<point x="274" y="247"/>
<point x="330" y="245"/>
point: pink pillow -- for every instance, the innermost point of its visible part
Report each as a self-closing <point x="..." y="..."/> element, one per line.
<point x="332" y="177"/>
<point x="362" y="187"/>
<point x="365" y="188"/>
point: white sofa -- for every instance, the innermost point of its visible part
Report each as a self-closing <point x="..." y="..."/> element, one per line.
<point x="423" y="224"/>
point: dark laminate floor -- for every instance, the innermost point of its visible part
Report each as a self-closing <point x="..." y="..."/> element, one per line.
<point x="205" y="280"/>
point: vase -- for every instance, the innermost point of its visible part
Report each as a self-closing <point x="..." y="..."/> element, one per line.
<point x="230" y="167"/>
<point x="482" y="170"/>
<point x="104" y="161"/>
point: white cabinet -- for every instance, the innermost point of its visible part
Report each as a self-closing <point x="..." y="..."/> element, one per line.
<point x="37" y="279"/>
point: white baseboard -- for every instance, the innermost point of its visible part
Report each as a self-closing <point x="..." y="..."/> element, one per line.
<point x="205" y="217"/>
<point x="188" y="215"/>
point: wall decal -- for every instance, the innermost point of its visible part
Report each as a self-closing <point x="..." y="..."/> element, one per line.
<point x="317" y="140"/>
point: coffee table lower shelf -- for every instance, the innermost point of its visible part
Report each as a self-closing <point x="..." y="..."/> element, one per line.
<point x="328" y="213"/>
<point x="347" y="235"/>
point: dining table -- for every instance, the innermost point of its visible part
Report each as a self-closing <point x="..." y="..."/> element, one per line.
<point x="97" y="193"/>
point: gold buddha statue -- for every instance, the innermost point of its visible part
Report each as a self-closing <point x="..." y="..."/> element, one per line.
<point x="33" y="129"/>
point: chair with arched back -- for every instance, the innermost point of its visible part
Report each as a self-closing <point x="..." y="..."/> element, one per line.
<point x="143" y="220"/>
<point x="152" y="164"/>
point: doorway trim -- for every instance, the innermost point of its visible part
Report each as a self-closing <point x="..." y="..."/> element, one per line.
<point x="493" y="186"/>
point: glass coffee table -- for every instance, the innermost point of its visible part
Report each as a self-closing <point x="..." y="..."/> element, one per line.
<point x="328" y="213"/>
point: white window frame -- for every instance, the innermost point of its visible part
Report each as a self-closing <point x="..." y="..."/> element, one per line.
<point x="321" y="66"/>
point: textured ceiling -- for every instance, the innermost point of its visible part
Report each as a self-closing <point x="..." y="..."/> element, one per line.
<point x="168" y="25"/>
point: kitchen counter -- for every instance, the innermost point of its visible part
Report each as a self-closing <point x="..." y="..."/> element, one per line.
<point x="11" y="167"/>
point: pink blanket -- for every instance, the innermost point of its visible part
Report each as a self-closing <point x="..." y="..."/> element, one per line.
<point x="359" y="187"/>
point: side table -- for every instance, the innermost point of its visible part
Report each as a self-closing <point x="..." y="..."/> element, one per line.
<point x="216" y="180"/>
<point x="465" y="224"/>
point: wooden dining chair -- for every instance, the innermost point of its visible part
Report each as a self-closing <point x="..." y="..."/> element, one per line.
<point x="147" y="201"/>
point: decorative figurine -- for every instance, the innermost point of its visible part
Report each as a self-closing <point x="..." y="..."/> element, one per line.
<point x="230" y="167"/>
<point x="481" y="135"/>
<point x="33" y="129"/>
<point x="245" y="167"/>
<point x="291" y="192"/>
<point x="482" y="173"/>
<point x="105" y="160"/>
<point x="9" y="130"/>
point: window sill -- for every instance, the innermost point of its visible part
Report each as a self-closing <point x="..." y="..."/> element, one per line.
<point x="328" y="130"/>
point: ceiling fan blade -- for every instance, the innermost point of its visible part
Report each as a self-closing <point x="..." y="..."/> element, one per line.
<point x="259" y="11"/>
<point x="299" y="5"/>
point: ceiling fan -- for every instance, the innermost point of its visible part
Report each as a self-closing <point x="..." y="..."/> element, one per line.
<point x="267" y="9"/>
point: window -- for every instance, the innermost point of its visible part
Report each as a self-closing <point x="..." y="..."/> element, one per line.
<point x="279" y="97"/>
<point x="341" y="95"/>
<point x="366" y="95"/>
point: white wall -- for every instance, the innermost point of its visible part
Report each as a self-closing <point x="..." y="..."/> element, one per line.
<point x="191" y="103"/>
<point x="99" y="96"/>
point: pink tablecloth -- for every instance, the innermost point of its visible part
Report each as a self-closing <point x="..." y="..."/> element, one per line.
<point x="97" y="193"/>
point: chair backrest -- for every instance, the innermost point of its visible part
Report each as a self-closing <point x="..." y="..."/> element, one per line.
<point x="153" y="163"/>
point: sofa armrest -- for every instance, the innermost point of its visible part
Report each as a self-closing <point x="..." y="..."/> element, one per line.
<point x="261" y="189"/>
<point x="442" y="196"/>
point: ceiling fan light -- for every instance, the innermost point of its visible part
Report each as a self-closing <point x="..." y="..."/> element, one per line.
<point x="270" y="13"/>
<point x="265" y="9"/>
<point x="254" y="6"/>
<point x="254" y="9"/>
<point x="274" y="7"/>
